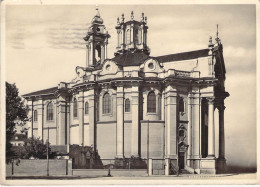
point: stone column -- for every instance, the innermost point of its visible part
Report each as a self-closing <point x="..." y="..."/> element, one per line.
<point x="87" y="55"/>
<point x="122" y="39"/>
<point x="135" y="120"/>
<point x="81" y="117"/>
<point x="189" y="129"/>
<point x="120" y="122"/>
<point x="62" y="122"/>
<point x="68" y="117"/>
<point x="221" y="132"/>
<point x="105" y="51"/>
<point x="211" y="129"/>
<point x="162" y="107"/>
<point x="171" y="123"/>
<point x="30" y="123"/>
<point x="91" y="57"/>
<point x="40" y="119"/>
<point x="92" y="114"/>
<point x="196" y="107"/>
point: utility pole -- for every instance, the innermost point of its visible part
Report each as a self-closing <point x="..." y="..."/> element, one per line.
<point x="48" y="154"/>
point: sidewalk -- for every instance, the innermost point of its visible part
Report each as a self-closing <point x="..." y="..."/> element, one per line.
<point x="162" y="177"/>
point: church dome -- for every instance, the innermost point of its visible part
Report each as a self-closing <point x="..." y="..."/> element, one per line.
<point x="97" y="19"/>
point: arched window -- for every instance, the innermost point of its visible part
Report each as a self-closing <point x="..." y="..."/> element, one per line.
<point x="181" y="105"/>
<point x="35" y="115"/>
<point x="151" y="102"/>
<point x="159" y="106"/>
<point x="106" y="103"/>
<point x="50" y="111"/>
<point x="136" y="36"/>
<point x="139" y="36"/>
<point x="128" y="36"/>
<point x="86" y="108"/>
<point x="119" y="39"/>
<point x="127" y="105"/>
<point x="75" y="108"/>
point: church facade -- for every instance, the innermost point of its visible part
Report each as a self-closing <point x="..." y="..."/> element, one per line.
<point x="133" y="103"/>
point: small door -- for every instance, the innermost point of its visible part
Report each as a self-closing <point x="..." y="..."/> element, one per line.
<point x="181" y="160"/>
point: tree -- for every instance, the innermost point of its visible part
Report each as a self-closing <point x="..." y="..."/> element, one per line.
<point x="16" y="115"/>
<point x="33" y="148"/>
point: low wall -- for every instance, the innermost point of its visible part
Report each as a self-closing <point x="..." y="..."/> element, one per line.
<point x="39" y="167"/>
<point x="113" y="172"/>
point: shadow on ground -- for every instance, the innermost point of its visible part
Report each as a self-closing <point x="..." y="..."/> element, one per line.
<point x="51" y="177"/>
<point x="240" y="169"/>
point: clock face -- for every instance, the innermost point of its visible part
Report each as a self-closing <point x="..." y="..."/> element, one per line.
<point x="98" y="29"/>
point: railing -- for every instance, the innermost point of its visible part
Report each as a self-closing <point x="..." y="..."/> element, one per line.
<point x="124" y="163"/>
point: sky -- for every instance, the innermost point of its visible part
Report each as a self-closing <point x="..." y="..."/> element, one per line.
<point x="44" y="44"/>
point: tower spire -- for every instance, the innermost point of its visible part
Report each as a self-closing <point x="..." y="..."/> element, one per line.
<point x="97" y="13"/>
<point x="132" y="15"/>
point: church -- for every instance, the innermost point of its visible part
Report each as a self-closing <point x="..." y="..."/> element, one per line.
<point x="134" y="104"/>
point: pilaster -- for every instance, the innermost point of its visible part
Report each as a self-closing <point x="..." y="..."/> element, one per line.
<point x="92" y="114"/>
<point x="40" y="118"/>
<point x="171" y="123"/>
<point x="189" y="129"/>
<point x="195" y="124"/>
<point x="211" y="128"/>
<point x="62" y="121"/>
<point x="81" y="117"/>
<point x="135" y="120"/>
<point x="120" y="122"/>
<point x="30" y="123"/>
<point x="221" y="110"/>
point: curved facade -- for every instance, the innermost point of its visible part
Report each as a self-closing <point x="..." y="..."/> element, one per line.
<point x="115" y="104"/>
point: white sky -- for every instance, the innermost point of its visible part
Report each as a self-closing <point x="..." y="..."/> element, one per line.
<point x="44" y="44"/>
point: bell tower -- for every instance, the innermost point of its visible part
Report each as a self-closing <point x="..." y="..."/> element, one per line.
<point x="132" y="35"/>
<point x="96" y="41"/>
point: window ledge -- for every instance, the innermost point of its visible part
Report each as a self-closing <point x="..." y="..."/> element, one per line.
<point x="50" y="121"/>
<point x="107" y="114"/>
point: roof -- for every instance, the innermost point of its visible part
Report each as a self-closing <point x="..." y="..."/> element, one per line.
<point x="130" y="59"/>
<point x="183" y="56"/>
<point x="19" y="137"/>
<point x="42" y="92"/>
<point x="136" y="59"/>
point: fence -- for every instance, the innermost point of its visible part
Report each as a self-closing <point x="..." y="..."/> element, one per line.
<point x="26" y="167"/>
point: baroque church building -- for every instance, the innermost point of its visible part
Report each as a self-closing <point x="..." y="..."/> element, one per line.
<point x="117" y="105"/>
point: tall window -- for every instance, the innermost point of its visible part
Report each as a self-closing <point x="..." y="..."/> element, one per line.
<point x="128" y="36"/>
<point x="181" y="105"/>
<point x="159" y="106"/>
<point x="106" y="103"/>
<point x="50" y="111"/>
<point x="75" y="108"/>
<point x="119" y="38"/>
<point x="139" y="36"/>
<point x="127" y="105"/>
<point x="151" y="102"/>
<point x="136" y="36"/>
<point x="86" y="108"/>
<point x="35" y="115"/>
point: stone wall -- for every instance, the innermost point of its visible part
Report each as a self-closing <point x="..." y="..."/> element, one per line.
<point x="156" y="139"/>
